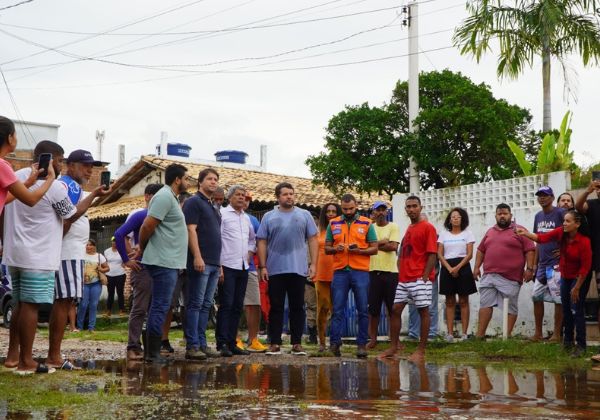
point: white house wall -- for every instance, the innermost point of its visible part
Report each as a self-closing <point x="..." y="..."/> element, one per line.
<point x="480" y="201"/>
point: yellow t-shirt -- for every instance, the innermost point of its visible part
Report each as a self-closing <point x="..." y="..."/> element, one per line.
<point x="386" y="261"/>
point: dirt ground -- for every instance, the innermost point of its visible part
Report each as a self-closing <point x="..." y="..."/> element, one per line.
<point x="76" y="349"/>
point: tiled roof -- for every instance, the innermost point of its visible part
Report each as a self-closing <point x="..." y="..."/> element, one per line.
<point x="260" y="184"/>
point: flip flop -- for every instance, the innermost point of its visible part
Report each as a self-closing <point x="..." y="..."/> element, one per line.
<point x="41" y="368"/>
<point x="67" y="365"/>
<point x="8" y="368"/>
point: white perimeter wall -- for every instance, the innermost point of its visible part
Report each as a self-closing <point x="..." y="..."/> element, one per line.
<point x="480" y="201"/>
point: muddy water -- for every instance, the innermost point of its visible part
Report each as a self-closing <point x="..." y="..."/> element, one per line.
<point x="376" y="389"/>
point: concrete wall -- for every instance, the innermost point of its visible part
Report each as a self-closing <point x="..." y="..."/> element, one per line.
<point x="480" y="201"/>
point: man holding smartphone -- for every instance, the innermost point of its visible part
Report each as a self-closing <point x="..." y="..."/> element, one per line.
<point x="76" y="232"/>
<point x="32" y="253"/>
<point x="351" y="239"/>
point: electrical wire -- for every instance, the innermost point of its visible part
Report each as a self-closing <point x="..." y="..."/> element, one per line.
<point x="31" y="139"/>
<point x="15" y="5"/>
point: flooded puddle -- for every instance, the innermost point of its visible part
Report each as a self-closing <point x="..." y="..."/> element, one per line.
<point x="371" y="389"/>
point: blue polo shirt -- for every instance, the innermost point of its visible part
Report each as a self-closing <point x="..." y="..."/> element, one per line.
<point x="198" y="210"/>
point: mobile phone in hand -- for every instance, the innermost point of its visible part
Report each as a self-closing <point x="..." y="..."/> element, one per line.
<point x="44" y="163"/>
<point x="595" y="175"/>
<point x="352" y="246"/>
<point x="105" y="179"/>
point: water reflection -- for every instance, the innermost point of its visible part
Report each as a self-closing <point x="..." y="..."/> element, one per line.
<point x="374" y="387"/>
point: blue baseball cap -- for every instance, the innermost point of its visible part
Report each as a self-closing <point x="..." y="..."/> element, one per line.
<point x="545" y="190"/>
<point x="379" y="204"/>
<point x="82" y="156"/>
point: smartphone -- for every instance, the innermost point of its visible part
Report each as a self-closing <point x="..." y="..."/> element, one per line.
<point x="595" y="175"/>
<point x="105" y="179"/>
<point x="44" y="163"/>
<point x="352" y="246"/>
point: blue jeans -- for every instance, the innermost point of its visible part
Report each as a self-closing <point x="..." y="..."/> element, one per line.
<point x="344" y="281"/>
<point x="414" y="321"/>
<point x="231" y="302"/>
<point x="573" y="316"/>
<point x="201" y="286"/>
<point x="163" y="283"/>
<point x="90" y="298"/>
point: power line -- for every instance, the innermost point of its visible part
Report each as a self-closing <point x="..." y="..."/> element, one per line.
<point x="200" y="73"/>
<point x="31" y="139"/>
<point x="15" y="5"/>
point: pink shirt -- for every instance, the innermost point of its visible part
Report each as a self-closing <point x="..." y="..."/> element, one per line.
<point x="504" y="252"/>
<point x="7" y="178"/>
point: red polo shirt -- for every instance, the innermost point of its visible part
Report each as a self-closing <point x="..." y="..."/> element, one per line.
<point x="575" y="255"/>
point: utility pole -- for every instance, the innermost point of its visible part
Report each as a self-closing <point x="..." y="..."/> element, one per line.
<point x="413" y="87"/>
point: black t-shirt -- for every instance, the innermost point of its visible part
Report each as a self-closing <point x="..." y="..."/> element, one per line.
<point x="199" y="211"/>
<point x="593" y="217"/>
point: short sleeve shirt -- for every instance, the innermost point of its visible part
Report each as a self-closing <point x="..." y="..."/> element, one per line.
<point x="543" y="223"/>
<point x="419" y="241"/>
<point x="199" y="211"/>
<point x="455" y="246"/>
<point x="385" y="260"/>
<point x="286" y="233"/>
<point x="504" y="252"/>
<point x="7" y="178"/>
<point x="33" y="235"/>
<point x="168" y="244"/>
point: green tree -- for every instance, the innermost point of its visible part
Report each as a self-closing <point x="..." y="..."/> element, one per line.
<point x="528" y="29"/>
<point x="462" y="138"/>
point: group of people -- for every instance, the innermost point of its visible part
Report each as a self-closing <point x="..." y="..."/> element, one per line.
<point x="191" y="243"/>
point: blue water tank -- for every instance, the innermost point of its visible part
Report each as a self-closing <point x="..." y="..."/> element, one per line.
<point x="233" y="156"/>
<point x="178" y="149"/>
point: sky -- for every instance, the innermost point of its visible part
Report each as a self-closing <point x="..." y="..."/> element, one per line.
<point x="235" y="74"/>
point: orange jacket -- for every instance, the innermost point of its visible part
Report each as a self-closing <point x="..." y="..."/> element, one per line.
<point x="355" y="234"/>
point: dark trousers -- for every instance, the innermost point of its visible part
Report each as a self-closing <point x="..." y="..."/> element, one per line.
<point x="231" y="302"/>
<point x="293" y="285"/>
<point x="116" y="283"/>
<point x="573" y="317"/>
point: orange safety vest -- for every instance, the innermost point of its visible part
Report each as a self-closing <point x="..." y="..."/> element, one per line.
<point x="355" y="234"/>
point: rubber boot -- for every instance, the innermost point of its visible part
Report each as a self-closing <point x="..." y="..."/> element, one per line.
<point x="153" y="356"/>
<point x="145" y="342"/>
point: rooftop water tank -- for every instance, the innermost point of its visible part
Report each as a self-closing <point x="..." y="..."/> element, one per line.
<point x="233" y="156"/>
<point x="177" y="149"/>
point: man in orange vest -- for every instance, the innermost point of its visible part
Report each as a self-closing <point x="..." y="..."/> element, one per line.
<point x="351" y="239"/>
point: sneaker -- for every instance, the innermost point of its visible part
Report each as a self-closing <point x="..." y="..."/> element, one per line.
<point x="194" y="354"/>
<point x="209" y="352"/>
<point x="464" y="337"/>
<point x="256" y="346"/>
<point x="449" y="338"/>
<point x="225" y="352"/>
<point x="297" y="350"/>
<point x="240" y="344"/>
<point x="578" y="352"/>
<point x="237" y="351"/>
<point x="361" y="352"/>
<point x="274" y="350"/>
<point x="335" y="349"/>
<point x="165" y="345"/>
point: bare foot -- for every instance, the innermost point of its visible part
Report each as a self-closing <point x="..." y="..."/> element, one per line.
<point x="371" y="344"/>
<point x="10" y="364"/>
<point x="390" y="353"/>
<point x="417" y="357"/>
<point x="535" y="338"/>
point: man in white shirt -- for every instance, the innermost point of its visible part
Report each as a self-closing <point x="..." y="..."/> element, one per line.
<point x="238" y="244"/>
<point x="32" y="253"/>
<point x="69" y="280"/>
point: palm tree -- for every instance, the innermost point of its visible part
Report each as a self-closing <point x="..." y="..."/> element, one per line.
<point x="530" y="28"/>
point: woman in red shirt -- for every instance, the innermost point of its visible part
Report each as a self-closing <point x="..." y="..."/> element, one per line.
<point x="575" y="263"/>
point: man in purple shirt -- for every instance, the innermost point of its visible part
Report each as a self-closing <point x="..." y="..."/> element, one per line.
<point x="503" y="255"/>
<point x="546" y="258"/>
<point x="141" y="282"/>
